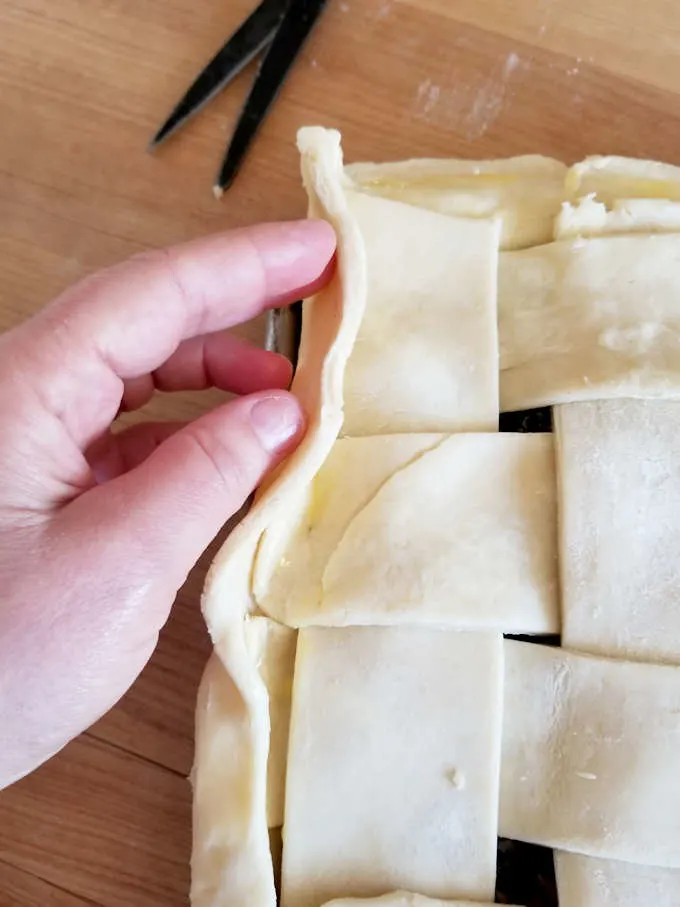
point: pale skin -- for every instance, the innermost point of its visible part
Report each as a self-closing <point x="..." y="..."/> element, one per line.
<point x="99" y="530"/>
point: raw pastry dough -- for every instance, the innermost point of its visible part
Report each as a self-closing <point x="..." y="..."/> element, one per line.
<point x="620" y="492"/>
<point x="231" y="862"/>
<point x="291" y="557"/>
<point x="405" y="529"/>
<point x="590" y="217"/>
<point x="611" y="195"/>
<point x="619" y="479"/>
<point x="426" y="355"/>
<point x="271" y="647"/>
<point x="589" y="882"/>
<point x="458" y="530"/>
<point x="612" y="178"/>
<point x="376" y="798"/>
<point x="225" y="770"/>
<point x="590" y="318"/>
<point x="402" y="899"/>
<point x="590" y="755"/>
<point x="616" y="606"/>
<point x="525" y="193"/>
<point x="448" y="517"/>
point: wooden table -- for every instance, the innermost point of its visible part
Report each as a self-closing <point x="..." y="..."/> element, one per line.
<point x="83" y="85"/>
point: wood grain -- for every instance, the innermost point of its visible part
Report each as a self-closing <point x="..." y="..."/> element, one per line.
<point x="19" y="887"/>
<point x="82" y="88"/>
<point x="99" y="799"/>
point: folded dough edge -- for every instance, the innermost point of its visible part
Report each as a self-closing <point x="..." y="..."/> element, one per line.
<point x="231" y="861"/>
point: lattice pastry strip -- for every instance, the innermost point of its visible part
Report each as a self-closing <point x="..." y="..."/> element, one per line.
<point x="589" y="318"/>
<point x="523" y="193"/>
<point x="617" y="179"/>
<point x="426" y="355"/>
<point x="452" y="506"/>
<point x="378" y="677"/>
<point x="613" y="605"/>
<point x="619" y="475"/>
<point x="589" y="882"/>
<point x="590" y="754"/>
<point x="620" y="492"/>
<point x="378" y="799"/>
<point x="401" y="899"/>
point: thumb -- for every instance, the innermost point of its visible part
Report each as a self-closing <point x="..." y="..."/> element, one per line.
<point x="158" y="518"/>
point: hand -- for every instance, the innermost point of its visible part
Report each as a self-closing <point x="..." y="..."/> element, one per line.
<point x="98" y="530"/>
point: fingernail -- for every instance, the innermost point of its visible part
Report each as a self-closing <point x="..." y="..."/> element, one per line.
<point x="275" y="421"/>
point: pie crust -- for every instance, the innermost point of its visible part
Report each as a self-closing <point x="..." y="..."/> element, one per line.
<point x="363" y="692"/>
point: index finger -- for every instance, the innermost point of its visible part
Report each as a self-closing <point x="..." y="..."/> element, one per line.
<point x="126" y="321"/>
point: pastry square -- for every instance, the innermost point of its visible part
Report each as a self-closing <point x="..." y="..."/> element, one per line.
<point x="377" y="798"/>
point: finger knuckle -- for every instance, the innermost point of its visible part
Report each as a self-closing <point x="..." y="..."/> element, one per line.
<point x="168" y="263"/>
<point x="235" y="470"/>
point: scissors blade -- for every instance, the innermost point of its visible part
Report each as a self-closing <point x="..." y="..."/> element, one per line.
<point x="296" y="25"/>
<point x="246" y="42"/>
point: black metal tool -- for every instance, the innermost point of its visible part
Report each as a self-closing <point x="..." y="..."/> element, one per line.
<point x="279" y="26"/>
